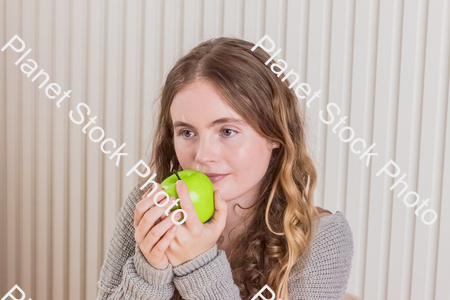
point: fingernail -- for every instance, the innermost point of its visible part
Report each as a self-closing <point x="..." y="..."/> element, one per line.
<point x="179" y="183"/>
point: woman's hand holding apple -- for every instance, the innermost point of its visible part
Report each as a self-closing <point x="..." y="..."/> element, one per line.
<point x="151" y="225"/>
<point x="194" y="238"/>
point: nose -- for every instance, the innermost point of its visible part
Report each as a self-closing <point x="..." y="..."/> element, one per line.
<point x="207" y="151"/>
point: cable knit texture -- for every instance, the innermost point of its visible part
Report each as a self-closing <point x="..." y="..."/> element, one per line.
<point x="321" y="273"/>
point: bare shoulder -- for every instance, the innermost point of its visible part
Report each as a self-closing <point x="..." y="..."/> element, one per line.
<point x="323" y="212"/>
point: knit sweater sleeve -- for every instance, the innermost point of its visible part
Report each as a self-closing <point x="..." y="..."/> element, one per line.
<point x="126" y="273"/>
<point x="206" y="277"/>
<point x="323" y="273"/>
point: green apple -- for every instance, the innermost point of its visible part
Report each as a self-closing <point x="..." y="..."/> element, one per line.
<point x="201" y="191"/>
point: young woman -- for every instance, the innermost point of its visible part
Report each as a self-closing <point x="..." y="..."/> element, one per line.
<point x="223" y="111"/>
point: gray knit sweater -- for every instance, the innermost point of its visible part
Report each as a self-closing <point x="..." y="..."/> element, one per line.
<point x="126" y="274"/>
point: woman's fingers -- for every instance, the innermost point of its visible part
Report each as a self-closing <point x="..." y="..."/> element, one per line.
<point x="165" y="215"/>
<point x="153" y="236"/>
<point x="219" y="219"/>
<point x="193" y="222"/>
<point x="161" y="247"/>
<point x="148" y="202"/>
<point x="147" y="222"/>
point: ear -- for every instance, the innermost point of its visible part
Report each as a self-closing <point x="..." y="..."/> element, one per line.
<point x="272" y="145"/>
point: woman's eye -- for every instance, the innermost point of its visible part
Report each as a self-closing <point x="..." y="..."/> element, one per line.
<point x="225" y="130"/>
<point x="230" y="130"/>
<point x="182" y="132"/>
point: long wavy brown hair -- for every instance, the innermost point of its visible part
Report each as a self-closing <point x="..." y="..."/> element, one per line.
<point x="281" y="222"/>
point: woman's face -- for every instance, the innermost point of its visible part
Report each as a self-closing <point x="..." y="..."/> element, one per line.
<point x="205" y="141"/>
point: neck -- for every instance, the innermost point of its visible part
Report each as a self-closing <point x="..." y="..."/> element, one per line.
<point x="234" y="226"/>
<point x="235" y="217"/>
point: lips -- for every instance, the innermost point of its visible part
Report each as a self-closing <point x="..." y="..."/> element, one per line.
<point x="215" y="177"/>
<point x="214" y="174"/>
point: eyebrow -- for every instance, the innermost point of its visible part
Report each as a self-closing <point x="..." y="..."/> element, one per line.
<point x="213" y="123"/>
